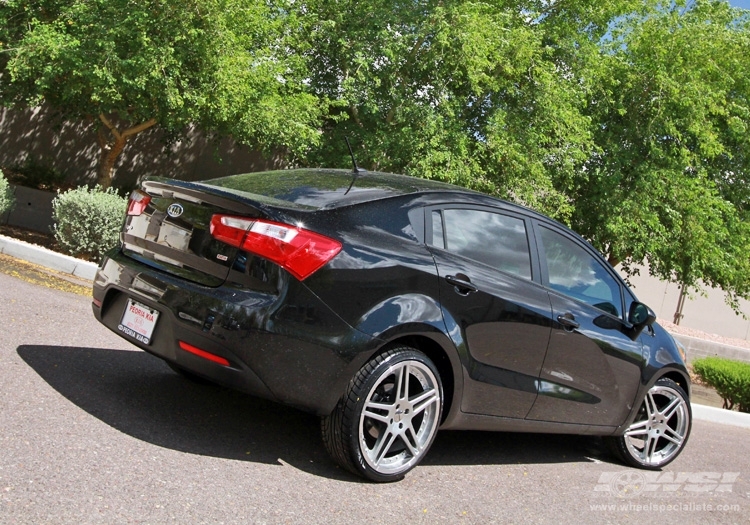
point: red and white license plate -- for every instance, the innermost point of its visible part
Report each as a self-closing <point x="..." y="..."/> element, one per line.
<point x="138" y="321"/>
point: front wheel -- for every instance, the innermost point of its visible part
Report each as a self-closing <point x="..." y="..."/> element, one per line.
<point x="386" y="421"/>
<point x="660" y="429"/>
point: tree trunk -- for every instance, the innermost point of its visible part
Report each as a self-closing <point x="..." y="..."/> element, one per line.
<point x="112" y="141"/>
<point x="680" y="305"/>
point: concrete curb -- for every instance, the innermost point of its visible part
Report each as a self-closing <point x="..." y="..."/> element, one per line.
<point x="87" y="270"/>
<point x="720" y="415"/>
<point x="47" y="258"/>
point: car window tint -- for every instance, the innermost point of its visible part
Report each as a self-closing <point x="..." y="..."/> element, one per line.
<point x="574" y="272"/>
<point x="492" y="238"/>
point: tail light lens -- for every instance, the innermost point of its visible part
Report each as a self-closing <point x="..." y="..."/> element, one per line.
<point x="137" y="202"/>
<point x="299" y="251"/>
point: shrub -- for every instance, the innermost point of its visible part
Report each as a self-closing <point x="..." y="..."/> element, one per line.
<point x="38" y="176"/>
<point x="7" y="200"/>
<point x="730" y="379"/>
<point x="87" y="222"/>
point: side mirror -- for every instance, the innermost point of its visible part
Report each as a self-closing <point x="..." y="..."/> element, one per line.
<point x="641" y="316"/>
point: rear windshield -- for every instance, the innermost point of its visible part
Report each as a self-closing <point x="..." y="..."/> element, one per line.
<point x="323" y="188"/>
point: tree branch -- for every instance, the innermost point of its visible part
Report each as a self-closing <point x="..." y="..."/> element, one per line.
<point x="110" y="126"/>
<point x="140" y="127"/>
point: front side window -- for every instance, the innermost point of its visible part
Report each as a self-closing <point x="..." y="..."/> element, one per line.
<point x="574" y="272"/>
<point x="492" y="238"/>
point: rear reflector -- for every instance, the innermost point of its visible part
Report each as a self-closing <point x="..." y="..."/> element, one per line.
<point x="137" y="202"/>
<point x="299" y="251"/>
<point x="202" y="353"/>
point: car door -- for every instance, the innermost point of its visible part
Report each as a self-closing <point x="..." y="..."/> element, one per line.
<point x="592" y="368"/>
<point x="497" y="315"/>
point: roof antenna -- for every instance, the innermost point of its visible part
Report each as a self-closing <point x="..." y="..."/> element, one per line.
<point x="356" y="169"/>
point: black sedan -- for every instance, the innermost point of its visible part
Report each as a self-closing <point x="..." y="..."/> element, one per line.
<point x="393" y="306"/>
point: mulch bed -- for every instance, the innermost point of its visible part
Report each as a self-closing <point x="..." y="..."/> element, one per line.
<point x="45" y="240"/>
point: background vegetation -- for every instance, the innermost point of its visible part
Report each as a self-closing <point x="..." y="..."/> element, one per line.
<point x="627" y="120"/>
<point x="730" y="379"/>
<point x="7" y="200"/>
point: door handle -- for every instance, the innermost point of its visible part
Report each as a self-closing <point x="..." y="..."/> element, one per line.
<point x="462" y="284"/>
<point x="568" y="321"/>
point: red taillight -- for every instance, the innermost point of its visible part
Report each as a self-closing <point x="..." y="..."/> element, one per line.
<point x="300" y="252"/>
<point x="202" y="353"/>
<point x="138" y="202"/>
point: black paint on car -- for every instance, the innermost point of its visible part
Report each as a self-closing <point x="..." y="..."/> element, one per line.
<point x="392" y="306"/>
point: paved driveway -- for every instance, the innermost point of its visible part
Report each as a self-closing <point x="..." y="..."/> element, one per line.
<point x="94" y="431"/>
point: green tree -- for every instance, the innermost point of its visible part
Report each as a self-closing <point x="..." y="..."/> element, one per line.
<point x="668" y="184"/>
<point x="468" y="92"/>
<point x="128" y="66"/>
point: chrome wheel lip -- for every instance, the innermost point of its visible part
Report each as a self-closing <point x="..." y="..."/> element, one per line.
<point x="395" y="419"/>
<point x="659" y="437"/>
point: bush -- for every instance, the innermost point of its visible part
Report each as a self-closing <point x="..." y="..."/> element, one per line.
<point x="87" y="222"/>
<point x="38" y="176"/>
<point x="730" y="379"/>
<point x="7" y="200"/>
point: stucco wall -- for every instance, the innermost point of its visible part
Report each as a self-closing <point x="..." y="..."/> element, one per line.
<point x="706" y="313"/>
<point x="35" y="135"/>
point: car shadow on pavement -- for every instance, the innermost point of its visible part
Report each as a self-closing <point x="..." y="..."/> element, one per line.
<point x="139" y="395"/>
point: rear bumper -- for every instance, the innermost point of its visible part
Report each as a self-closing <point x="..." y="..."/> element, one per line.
<point x="288" y="347"/>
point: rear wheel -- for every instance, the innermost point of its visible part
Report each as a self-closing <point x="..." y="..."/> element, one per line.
<point x="660" y="429"/>
<point x="386" y="421"/>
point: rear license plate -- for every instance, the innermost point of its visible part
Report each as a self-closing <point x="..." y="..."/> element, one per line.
<point x="138" y="321"/>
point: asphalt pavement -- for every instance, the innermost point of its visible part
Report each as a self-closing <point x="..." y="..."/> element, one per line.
<point x="93" y="430"/>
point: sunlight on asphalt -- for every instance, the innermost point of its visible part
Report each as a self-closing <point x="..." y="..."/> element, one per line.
<point x="35" y="274"/>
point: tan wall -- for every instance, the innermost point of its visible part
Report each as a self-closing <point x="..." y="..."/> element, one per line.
<point x="36" y="135"/>
<point x="709" y="314"/>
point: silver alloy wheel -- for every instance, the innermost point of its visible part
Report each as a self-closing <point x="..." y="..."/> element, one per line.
<point x="399" y="417"/>
<point x="661" y="427"/>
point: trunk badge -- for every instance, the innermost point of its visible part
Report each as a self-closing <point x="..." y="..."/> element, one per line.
<point x="174" y="210"/>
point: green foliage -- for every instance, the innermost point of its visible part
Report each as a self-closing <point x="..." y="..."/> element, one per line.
<point x="669" y="184"/>
<point x="465" y="92"/>
<point x="125" y="66"/>
<point x="87" y="222"/>
<point x="731" y="379"/>
<point x="7" y="199"/>
<point x="38" y="176"/>
<point x="625" y="119"/>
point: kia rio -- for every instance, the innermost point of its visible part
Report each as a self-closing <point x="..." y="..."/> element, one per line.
<point x="393" y="306"/>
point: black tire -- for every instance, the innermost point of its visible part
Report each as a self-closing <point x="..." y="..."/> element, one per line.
<point x="660" y="430"/>
<point x="195" y="378"/>
<point x="383" y="426"/>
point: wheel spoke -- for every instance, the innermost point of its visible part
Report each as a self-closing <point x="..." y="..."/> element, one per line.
<point x="411" y="441"/>
<point x="382" y="446"/>
<point x="370" y="412"/>
<point x="673" y="436"/>
<point x="650" y="404"/>
<point x="637" y="429"/>
<point x="402" y="385"/>
<point x="672" y="407"/>
<point x="423" y="400"/>
<point x="649" y="448"/>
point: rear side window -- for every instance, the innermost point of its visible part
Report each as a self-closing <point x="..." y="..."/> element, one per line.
<point x="494" y="239"/>
<point x="574" y="272"/>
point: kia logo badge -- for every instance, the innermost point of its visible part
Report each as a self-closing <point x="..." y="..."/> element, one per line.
<point x="174" y="210"/>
